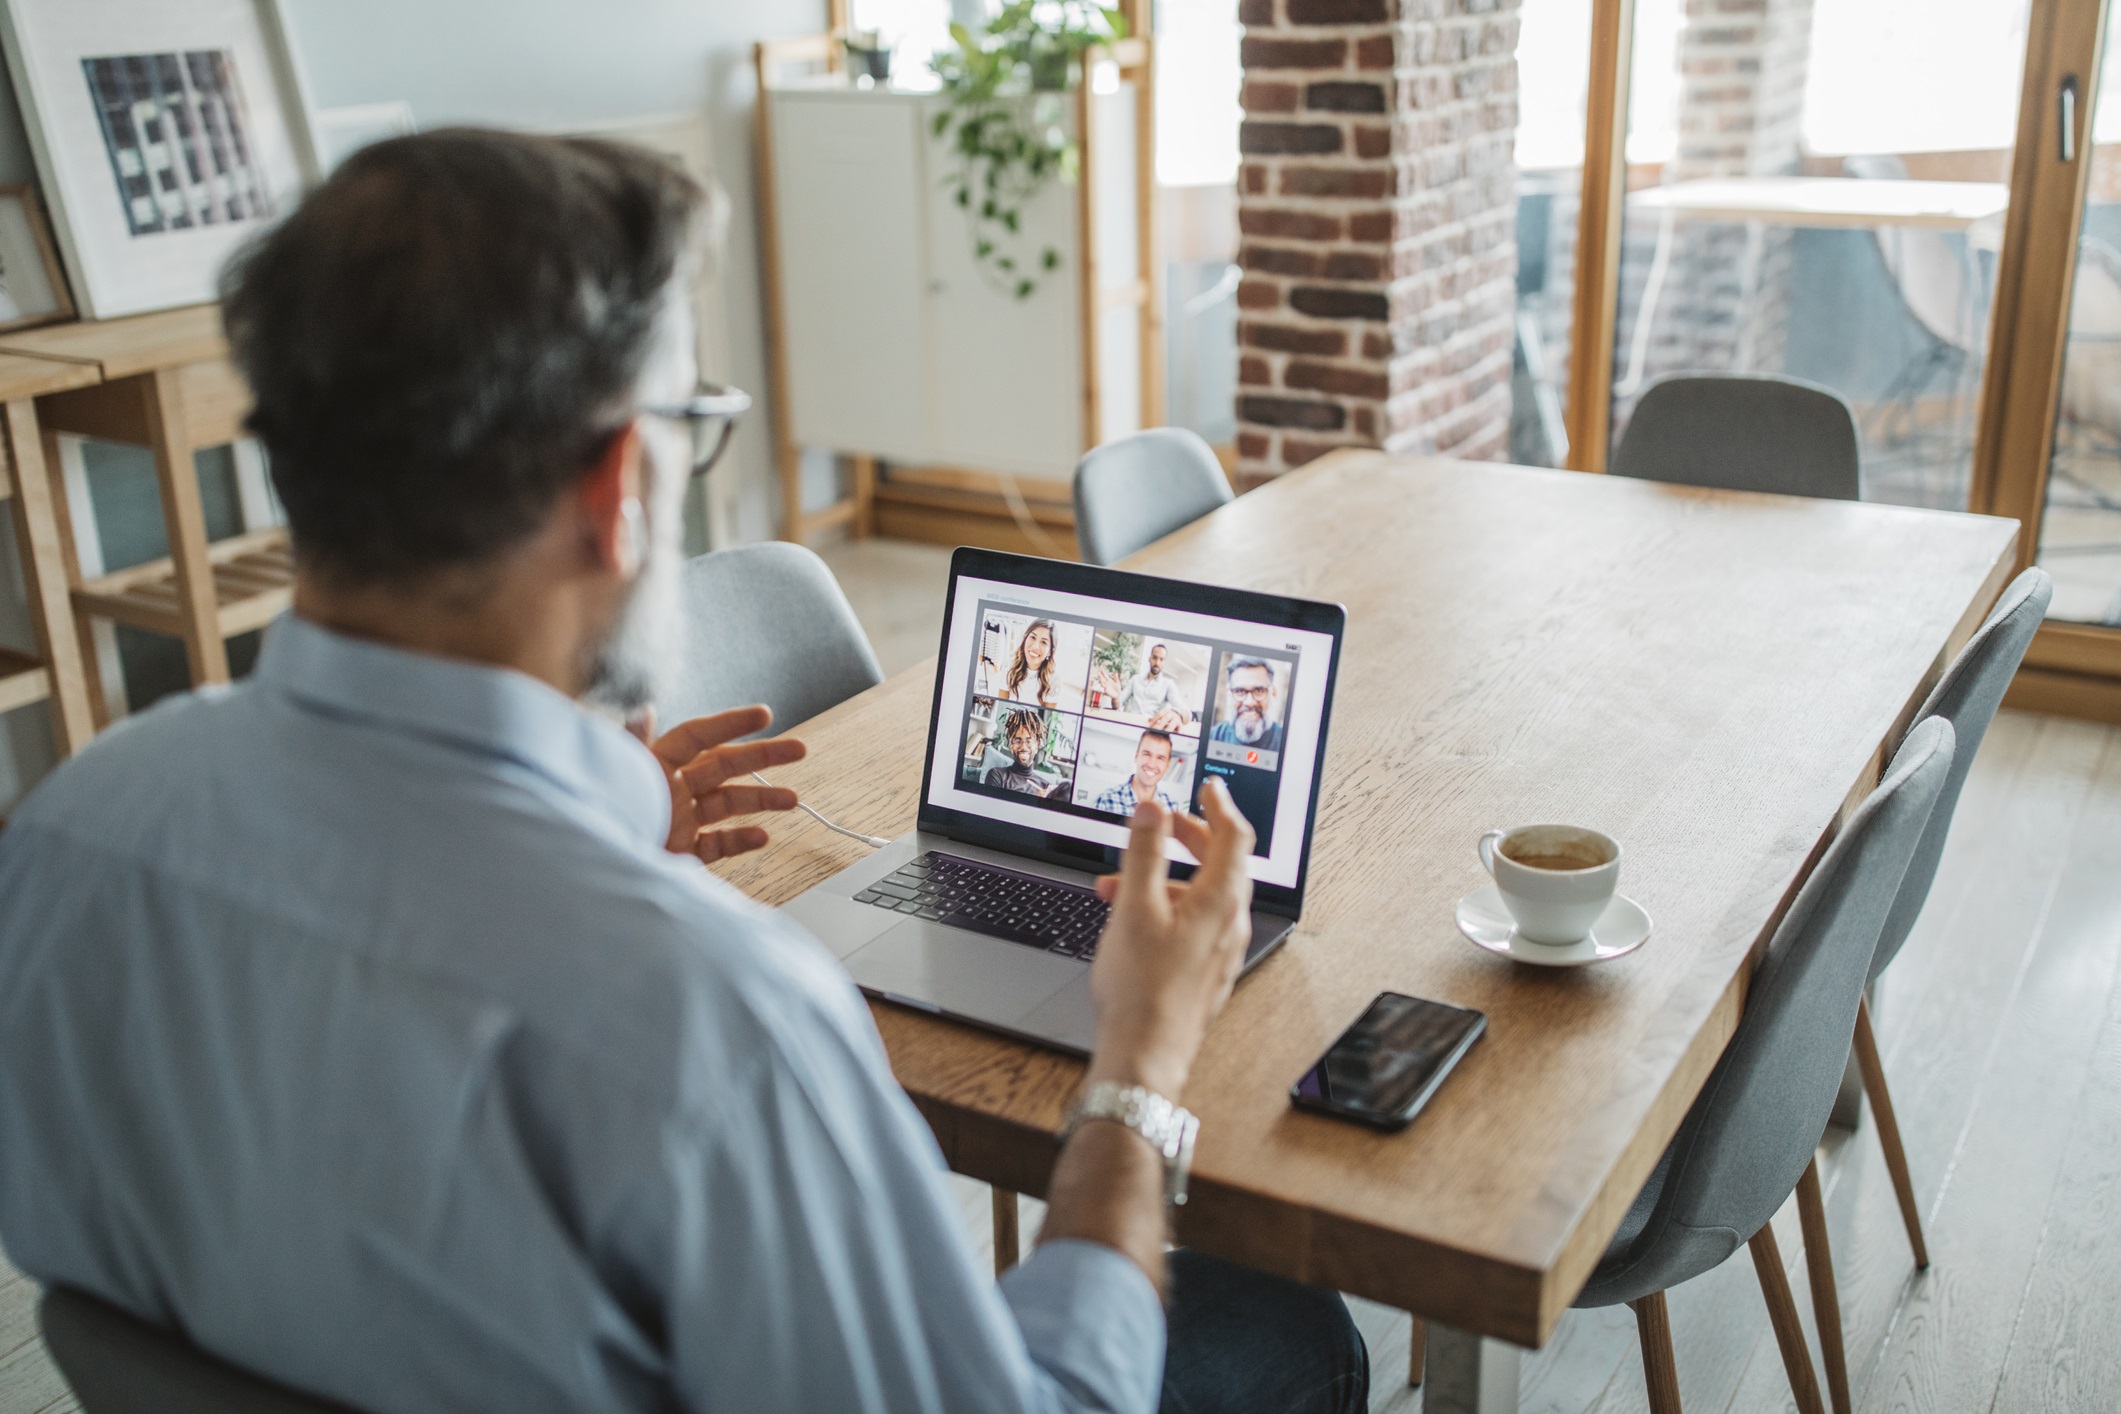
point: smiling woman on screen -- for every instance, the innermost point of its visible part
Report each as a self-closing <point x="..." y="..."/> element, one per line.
<point x="1033" y="655"/>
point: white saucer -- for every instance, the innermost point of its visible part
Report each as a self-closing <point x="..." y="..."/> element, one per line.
<point x="1622" y="928"/>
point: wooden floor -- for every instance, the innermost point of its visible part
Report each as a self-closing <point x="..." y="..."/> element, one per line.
<point x="2001" y="1029"/>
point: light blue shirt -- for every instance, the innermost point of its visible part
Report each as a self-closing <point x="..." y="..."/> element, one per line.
<point x="354" y="1021"/>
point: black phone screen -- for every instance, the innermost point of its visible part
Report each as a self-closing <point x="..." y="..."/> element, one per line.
<point x="1383" y="1069"/>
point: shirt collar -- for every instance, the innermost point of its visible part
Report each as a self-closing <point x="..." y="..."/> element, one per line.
<point x="495" y="712"/>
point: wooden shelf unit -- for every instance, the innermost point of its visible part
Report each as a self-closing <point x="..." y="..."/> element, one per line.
<point x="54" y="672"/>
<point x="163" y="381"/>
<point x="253" y="579"/>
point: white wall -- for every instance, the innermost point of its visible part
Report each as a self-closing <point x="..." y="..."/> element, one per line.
<point x="550" y="65"/>
<point x="554" y="64"/>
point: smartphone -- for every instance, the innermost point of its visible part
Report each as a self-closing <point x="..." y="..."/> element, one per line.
<point x="1385" y="1067"/>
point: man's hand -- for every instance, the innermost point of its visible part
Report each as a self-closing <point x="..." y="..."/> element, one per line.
<point x="700" y="758"/>
<point x="1166" y="719"/>
<point x="1171" y="952"/>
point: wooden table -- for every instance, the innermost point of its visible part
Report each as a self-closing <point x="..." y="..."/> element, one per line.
<point x="165" y="383"/>
<point x="1829" y="202"/>
<point x="1711" y="677"/>
<point x="55" y="673"/>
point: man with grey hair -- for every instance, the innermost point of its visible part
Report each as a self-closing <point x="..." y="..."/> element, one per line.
<point x="373" y="1022"/>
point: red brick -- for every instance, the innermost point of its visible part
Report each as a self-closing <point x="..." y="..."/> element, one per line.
<point x="1258" y="294"/>
<point x="1373" y="141"/>
<point x="1338" y="12"/>
<point x="1292" y="338"/>
<point x="1345" y="97"/>
<point x="1257" y="53"/>
<point x="1281" y="259"/>
<point x="1326" y="302"/>
<point x="1262" y="97"/>
<point x="1255" y="372"/>
<point x="1353" y="265"/>
<point x="1255" y="12"/>
<point x="1296" y="451"/>
<point x="1307" y="139"/>
<point x="1293" y="412"/>
<point x="1254" y="446"/>
<point x="1375" y="52"/>
<point x="1370" y="226"/>
<point x="1337" y="378"/>
<point x="1290" y="225"/>
<point x="1370" y="182"/>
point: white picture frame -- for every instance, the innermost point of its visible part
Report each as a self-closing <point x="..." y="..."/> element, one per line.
<point x="166" y="132"/>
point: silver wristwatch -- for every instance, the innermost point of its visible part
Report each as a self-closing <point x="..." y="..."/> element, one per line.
<point x="1168" y="1128"/>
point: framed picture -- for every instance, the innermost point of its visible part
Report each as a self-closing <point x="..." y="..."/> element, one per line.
<point x="32" y="289"/>
<point x="165" y="131"/>
<point x="341" y="132"/>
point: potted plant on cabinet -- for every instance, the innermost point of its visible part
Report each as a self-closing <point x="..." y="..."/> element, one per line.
<point x="1004" y="120"/>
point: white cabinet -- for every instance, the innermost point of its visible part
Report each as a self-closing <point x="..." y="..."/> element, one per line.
<point x="894" y="343"/>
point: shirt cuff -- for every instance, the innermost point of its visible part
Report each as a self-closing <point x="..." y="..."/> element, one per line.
<point x="1092" y="1320"/>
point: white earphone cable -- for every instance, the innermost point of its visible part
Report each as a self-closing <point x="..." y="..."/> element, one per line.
<point x="871" y="840"/>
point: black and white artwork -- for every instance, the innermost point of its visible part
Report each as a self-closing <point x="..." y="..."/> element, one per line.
<point x="179" y="139"/>
<point x="166" y="133"/>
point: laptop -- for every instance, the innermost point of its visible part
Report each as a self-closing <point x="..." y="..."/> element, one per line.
<point x="1064" y="694"/>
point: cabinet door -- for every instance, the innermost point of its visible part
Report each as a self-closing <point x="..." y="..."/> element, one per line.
<point x="848" y="184"/>
<point x="1006" y="382"/>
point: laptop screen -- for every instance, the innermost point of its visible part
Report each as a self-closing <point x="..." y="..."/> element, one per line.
<point x="1069" y="694"/>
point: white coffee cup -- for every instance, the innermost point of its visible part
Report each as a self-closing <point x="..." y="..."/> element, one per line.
<point x="1554" y="879"/>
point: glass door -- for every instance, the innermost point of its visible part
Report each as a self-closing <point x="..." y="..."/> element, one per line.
<point x="2049" y="438"/>
<point x="2079" y="535"/>
<point x="1799" y="200"/>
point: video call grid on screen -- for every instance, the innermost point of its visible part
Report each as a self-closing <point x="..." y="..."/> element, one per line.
<point x="1085" y="742"/>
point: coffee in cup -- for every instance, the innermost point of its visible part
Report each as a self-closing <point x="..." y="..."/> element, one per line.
<point x="1555" y="879"/>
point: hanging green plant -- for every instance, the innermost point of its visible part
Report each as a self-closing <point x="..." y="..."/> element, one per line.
<point x="1005" y="120"/>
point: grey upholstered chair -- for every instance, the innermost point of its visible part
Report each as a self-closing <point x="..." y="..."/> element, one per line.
<point x="767" y="623"/>
<point x="1138" y="489"/>
<point x="119" y="1364"/>
<point x="1967" y="696"/>
<point x="1743" y="432"/>
<point x="1749" y="1139"/>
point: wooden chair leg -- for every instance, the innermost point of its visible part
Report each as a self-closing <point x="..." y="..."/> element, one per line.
<point x="1417" y="1351"/>
<point x="1653" y="1327"/>
<point x="1826" y="1302"/>
<point x="1782" y="1313"/>
<point x="1005" y="1230"/>
<point x="1889" y="1132"/>
<point x="864" y="478"/>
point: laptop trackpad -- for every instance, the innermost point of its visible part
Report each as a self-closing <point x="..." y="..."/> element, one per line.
<point x="984" y="979"/>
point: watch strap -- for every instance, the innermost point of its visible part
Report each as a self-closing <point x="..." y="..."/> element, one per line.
<point x="1169" y="1128"/>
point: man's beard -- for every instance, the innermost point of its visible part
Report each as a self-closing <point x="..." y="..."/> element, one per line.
<point x="633" y="665"/>
<point x="1250" y="726"/>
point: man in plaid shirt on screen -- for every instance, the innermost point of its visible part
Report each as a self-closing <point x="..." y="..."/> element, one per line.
<point x="1152" y="758"/>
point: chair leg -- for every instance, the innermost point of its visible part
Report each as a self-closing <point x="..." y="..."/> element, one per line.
<point x="1826" y="1302"/>
<point x="1005" y="1232"/>
<point x="1417" y="1351"/>
<point x="1889" y="1132"/>
<point x="1653" y="1327"/>
<point x="1782" y="1313"/>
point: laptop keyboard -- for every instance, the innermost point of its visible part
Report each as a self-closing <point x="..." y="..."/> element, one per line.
<point x="1023" y="908"/>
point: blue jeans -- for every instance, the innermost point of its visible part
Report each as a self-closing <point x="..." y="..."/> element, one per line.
<point x="1242" y="1341"/>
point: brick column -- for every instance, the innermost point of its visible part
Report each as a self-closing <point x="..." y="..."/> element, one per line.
<point x="1725" y="299"/>
<point x="1377" y="203"/>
